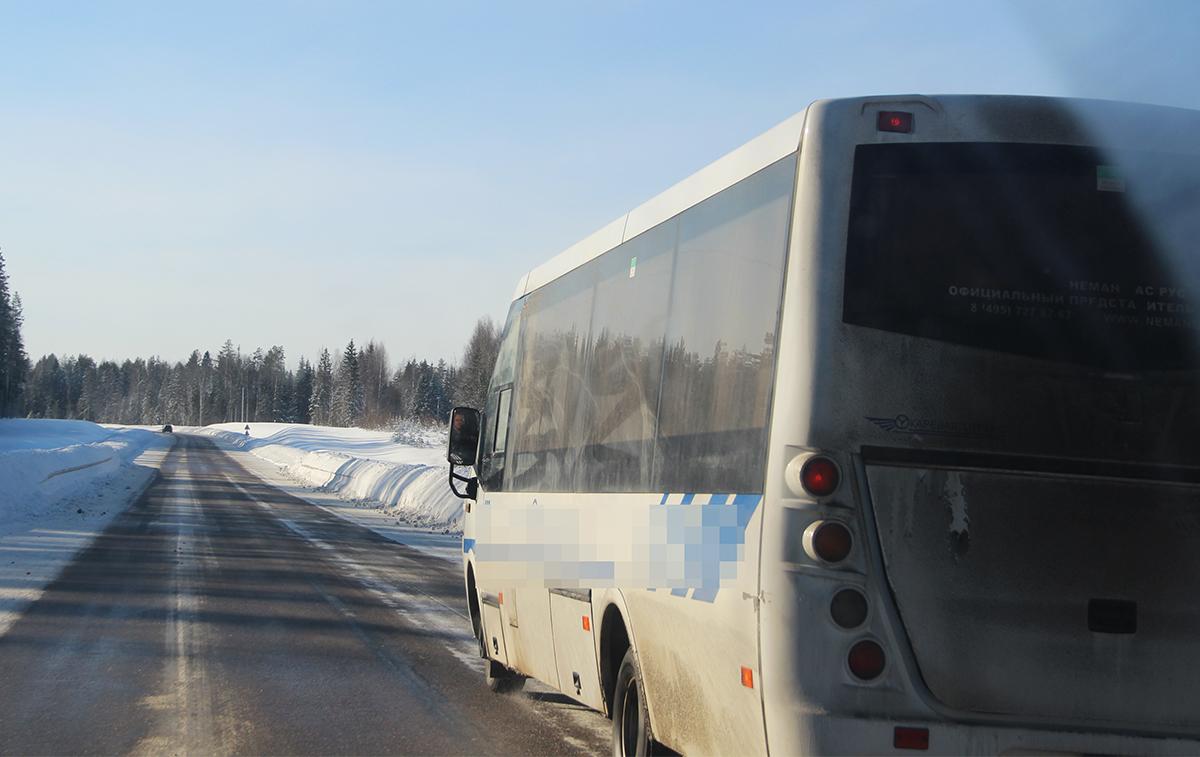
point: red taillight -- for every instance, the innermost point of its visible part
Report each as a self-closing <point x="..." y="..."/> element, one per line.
<point x="867" y="660"/>
<point x="828" y="541"/>
<point x="820" y="476"/>
<point x="911" y="738"/>
<point x="896" y="121"/>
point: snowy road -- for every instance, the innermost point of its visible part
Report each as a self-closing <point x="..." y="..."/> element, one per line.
<point x="222" y="615"/>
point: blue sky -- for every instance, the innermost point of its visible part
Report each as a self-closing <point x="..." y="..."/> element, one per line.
<point x="173" y="175"/>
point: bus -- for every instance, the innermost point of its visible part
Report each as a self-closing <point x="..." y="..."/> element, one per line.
<point x="876" y="436"/>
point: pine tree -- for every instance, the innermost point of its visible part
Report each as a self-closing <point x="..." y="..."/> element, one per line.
<point x="348" y="396"/>
<point x="302" y="394"/>
<point x="321" y="404"/>
<point x="206" y="389"/>
<point x="376" y="374"/>
<point x="479" y="359"/>
<point x="228" y="389"/>
<point x="13" y="362"/>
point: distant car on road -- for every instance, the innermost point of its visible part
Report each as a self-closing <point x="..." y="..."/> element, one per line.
<point x="166" y="429"/>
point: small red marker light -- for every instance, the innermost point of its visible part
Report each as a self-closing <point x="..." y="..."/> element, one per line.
<point x="820" y="476"/>
<point x="867" y="660"/>
<point x="896" y="121"/>
<point x="587" y="623"/>
<point x="747" y="677"/>
<point x="911" y="738"/>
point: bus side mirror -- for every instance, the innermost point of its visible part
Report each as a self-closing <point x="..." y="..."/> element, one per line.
<point x="464" y="436"/>
<point x="461" y="448"/>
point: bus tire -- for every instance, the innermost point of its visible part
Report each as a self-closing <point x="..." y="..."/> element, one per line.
<point x="501" y="680"/>
<point x="631" y="721"/>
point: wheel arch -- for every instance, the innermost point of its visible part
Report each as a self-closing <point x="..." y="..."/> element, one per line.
<point x="615" y="640"/>
<point x="474" y="609"/>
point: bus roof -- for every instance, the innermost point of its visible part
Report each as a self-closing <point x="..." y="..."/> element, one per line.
<point x="1014" y="117"/>
<point x="753" y="156"/>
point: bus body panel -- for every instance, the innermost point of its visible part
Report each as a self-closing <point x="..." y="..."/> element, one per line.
<point x="575" y="645"/>
<point x="529" y="634"/>
<point x="692" y="650"/>
<point x="493" y="627"/>
<point x="1043" y="595"/>
<point x="711" y="706"/>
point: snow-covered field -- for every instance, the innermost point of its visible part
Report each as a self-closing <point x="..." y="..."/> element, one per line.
<point x="61" y="482"/>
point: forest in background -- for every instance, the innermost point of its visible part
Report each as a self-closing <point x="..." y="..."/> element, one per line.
<point x="354" y="387"/>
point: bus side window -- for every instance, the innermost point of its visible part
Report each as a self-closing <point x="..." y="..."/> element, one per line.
<point x="502" y="412"/>
<point x="497" y="413"/>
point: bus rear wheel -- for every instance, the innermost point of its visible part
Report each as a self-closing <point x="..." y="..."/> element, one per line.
<point x="501" y="680"/>
<point x="631" y="723"/>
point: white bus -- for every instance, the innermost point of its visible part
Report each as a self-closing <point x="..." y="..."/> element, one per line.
<point x="879" y="435"/>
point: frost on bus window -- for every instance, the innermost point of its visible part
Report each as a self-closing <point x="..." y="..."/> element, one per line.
<point x="649" y="368"/>
<point x="719" y="359"/>
<point x="625" y="369"/>
<point x="546" y="430"/>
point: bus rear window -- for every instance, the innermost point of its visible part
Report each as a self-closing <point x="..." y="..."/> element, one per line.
<point x="1064" y="253"/>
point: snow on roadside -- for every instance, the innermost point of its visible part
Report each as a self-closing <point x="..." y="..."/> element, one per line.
<point x="405" y="481"/>
<point x="61" y="483"/>
<point x="45" y="463"/>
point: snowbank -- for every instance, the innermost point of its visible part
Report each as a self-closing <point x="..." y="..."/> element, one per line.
<point x="25" y="433"/>
<point x="405" y="481"/>
<point x="43" y="463"/>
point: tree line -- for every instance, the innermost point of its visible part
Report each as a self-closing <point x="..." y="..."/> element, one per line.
<point x="13" y="362"/>
<point x="353" y="387"/>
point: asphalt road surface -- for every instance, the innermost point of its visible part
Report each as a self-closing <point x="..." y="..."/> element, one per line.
<point x="220" y="615"/>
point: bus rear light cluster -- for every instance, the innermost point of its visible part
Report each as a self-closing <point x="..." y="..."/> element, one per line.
<point x="820" y="476"/>
<point x="848" y="608"/>
<point x="866" y="660"/>
<point x="828" y="542"/>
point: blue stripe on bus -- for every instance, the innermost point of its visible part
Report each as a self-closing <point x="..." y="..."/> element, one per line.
<point x="711" y="528"/>
<point x="703" y="595"/>
<point x="468" y="545"/>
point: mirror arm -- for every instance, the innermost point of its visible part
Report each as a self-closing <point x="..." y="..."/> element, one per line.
<point x="471" y="482"/>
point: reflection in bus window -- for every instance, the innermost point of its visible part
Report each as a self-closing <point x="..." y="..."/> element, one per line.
<point x="665" y="382"/>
